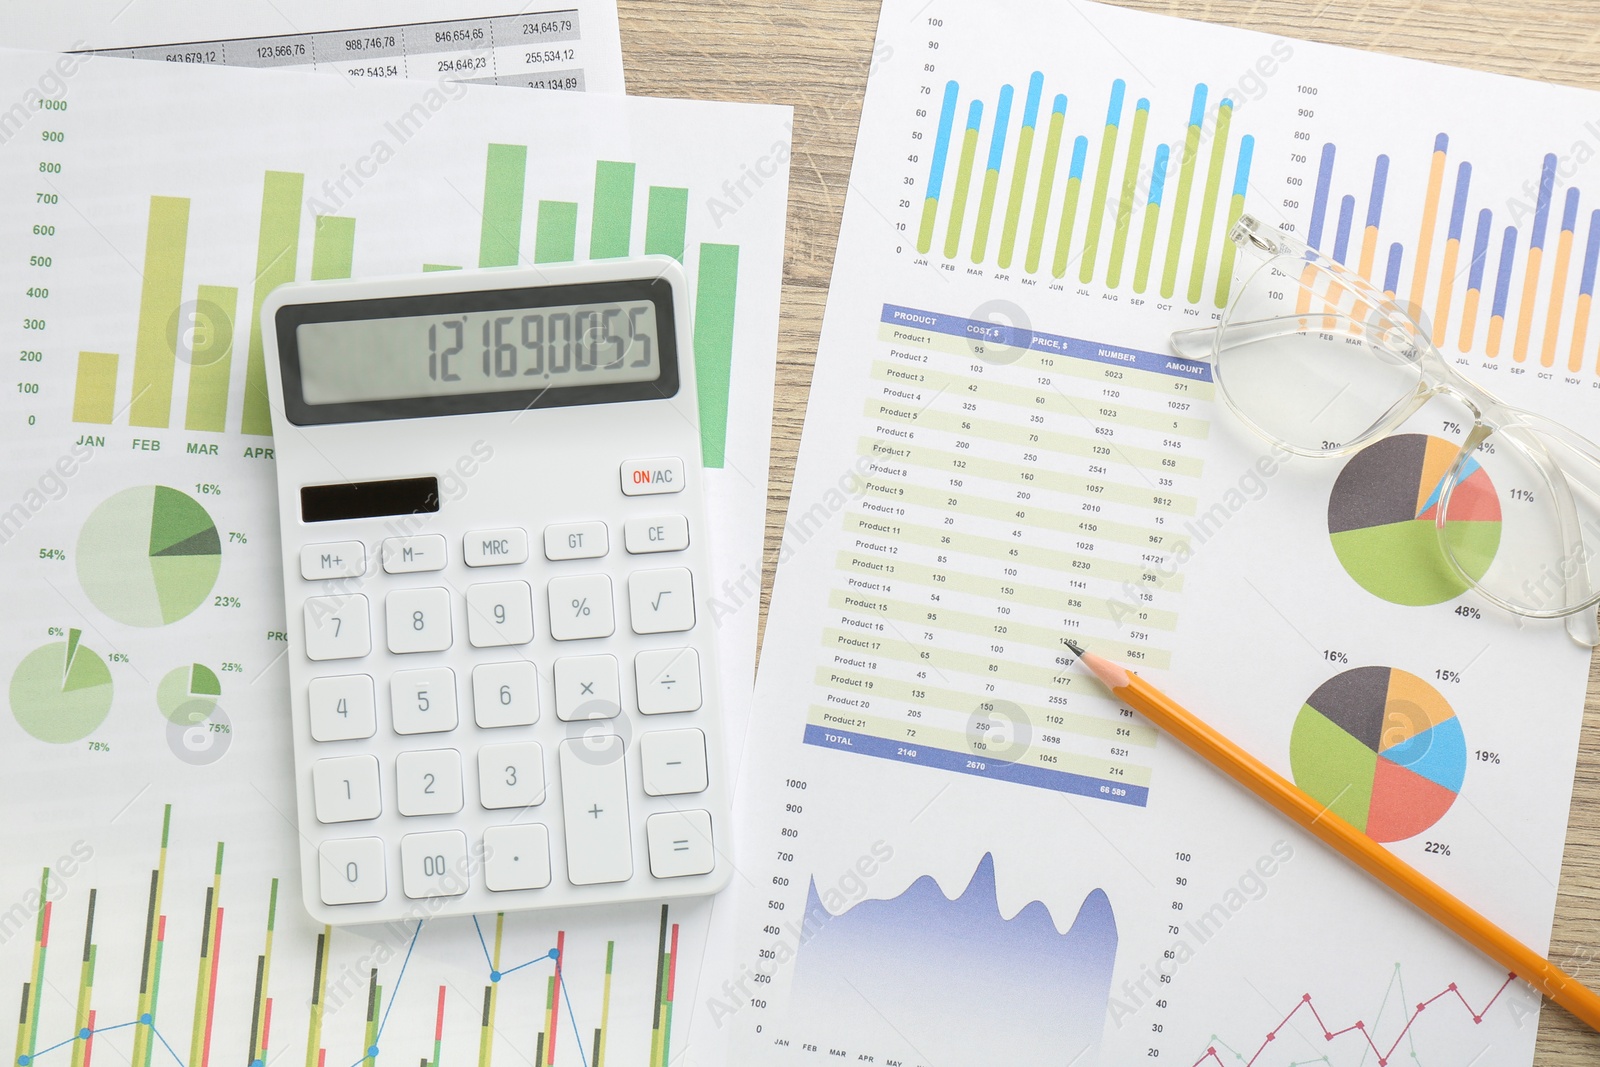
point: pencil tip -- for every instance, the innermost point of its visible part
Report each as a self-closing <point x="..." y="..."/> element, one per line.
<point x="1070" y="643"/>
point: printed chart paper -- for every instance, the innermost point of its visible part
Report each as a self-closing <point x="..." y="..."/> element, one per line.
<point x="148" y="902"/>
<point x="957" y="849"/>
<point x="567" y="44"/>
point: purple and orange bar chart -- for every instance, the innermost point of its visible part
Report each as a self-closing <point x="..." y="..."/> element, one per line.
<point x="1534" y="320"/>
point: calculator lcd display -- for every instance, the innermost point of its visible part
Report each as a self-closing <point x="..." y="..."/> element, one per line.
<point x="466" y="353"/>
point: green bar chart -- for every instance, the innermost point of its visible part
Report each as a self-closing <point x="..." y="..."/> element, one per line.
<point x="556" y="239"/>
<point x="94" y="398"/>
<point x="277" y="250"/>
<point x="166" y="242"/>
<point x="666" y="222"/>
<point x="505" y="174"/>
<point x="1105" y="214"/>
<point x="333" y="245"/>
<point x="210" y="317"/>
<point x="211" y="357"/>
<point x="717" y="295"/>
<point x="613" y="210"/>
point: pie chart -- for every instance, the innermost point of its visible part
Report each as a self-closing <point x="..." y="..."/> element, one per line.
<point x="1381" y="519"/>
<point x="61" y="693"/>
<point x="148" y="556"/>
<point x="1382" y="749"/>
<point x="188" y="695"/>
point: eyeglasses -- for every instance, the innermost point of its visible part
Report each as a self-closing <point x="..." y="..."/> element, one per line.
<point x="1314" y="358"/>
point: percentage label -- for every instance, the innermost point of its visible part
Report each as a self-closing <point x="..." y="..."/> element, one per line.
<point x="99" y="746"/>
<point x="53" y="553"/>
<point x="1453" y="677"/>
<point x="118" y="657"/>
<point x="56" y="631"/>
<point x="220" y="728"/>
<point x="1467" y="611"/>
<point x="208" y="488"/>
<point x="233" y="668"/>
<point x="1436" y="848"/>
<point x="1451" y="427"/>
<point x="1484" y="756"/>
<point x="1524" y="495"/>
<point x="1334" y="656"/>
<point x="238" y="538"/>
<point x="226" y="602"/>
<point x="580" y="607"/>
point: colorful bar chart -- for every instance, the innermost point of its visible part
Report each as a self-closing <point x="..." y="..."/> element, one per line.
<point x="1517" y="300"/>
<point x="208" y="319"/>
<point x="1114" y="233"/>
<point x="222" y="986"/>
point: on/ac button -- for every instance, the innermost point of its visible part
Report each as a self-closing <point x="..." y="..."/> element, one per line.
<point x="648" y="477"/>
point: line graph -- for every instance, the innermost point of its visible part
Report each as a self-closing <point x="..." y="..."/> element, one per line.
<point x="1306" y="1003"/>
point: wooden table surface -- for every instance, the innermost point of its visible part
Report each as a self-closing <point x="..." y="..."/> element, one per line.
<point x="814" y="55"/>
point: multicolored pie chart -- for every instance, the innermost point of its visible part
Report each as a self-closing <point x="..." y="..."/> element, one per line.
<point x="1382" y="749"/>
<point x="1382" y="519"/>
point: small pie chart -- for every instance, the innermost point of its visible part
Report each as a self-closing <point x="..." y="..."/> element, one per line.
<point x="1382" y="520"/>
<point x="1382" y="749"/>
<point x="61" y="693"/>
<point x="148" y="556"/>
<point x="187" y="695"/>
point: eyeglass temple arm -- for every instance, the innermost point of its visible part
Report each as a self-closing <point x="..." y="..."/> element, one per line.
<point x="1201" y="342"/>
<point x="1582" y="626"/>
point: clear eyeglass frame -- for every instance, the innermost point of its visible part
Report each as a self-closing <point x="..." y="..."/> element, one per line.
<point x="1314" y="358"/>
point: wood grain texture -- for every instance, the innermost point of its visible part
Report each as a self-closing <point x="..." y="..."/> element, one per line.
<point x="815" y="55"/>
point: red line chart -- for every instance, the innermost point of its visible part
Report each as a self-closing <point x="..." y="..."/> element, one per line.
<point x="1360" y="1027"/>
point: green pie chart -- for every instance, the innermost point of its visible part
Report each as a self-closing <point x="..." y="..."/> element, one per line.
<point x="61" y="693"/>
<point x="148" y="556"/>
<point x="188" y="695"/>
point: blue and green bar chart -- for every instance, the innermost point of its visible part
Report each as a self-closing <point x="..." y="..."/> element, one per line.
<point x="1104" y="220"/>
<point x="1498" y="314"/>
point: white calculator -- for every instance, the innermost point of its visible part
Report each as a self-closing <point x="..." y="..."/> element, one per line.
<point x="504" y="691"/>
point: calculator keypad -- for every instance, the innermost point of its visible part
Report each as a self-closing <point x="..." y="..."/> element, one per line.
<point x="342" y="708"/>
<point x="580" y="607"/>
<point x="587" y="687"/>
<point x="662" y="600"/>
<point x="419" y="620"/>
<point x="594" y="795"/>
<point x="668" y="680"/>
<point x="338" y="627"/>
<point x="499" y="614"/>
<point x="351" y="871"/>
<point x="338" y="559"/>
<point x="511" y="776"/>
<point x="495" y="548"/>
<point x="518" y="857"/>
<point x="428" y="782"/>
<point x="573" y="806"/>
<point x="434" y="864"/>
<point x="680" y="843"/>
<point x="576" y="540"/>
<point x="411" y="555"/>
<point x="505" y="694"/>
<point x="423" y="701"/>
<point x="664" y="533"/>
<point x="347" y="789"/>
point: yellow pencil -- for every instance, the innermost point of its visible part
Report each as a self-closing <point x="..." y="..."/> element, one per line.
<point x="1355" y="846"/>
